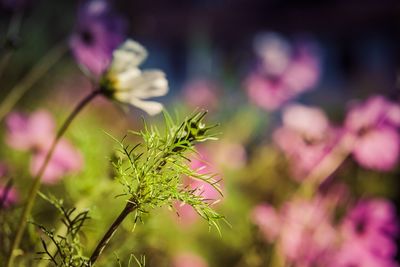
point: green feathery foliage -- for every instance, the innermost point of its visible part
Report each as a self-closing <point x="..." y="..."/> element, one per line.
<point x="151" y="172"/>
<point x="134" y="261"/>
<point x="69" y="251"/>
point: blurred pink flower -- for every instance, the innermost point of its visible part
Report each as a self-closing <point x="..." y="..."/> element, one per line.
<point x="302" y="230"/>
<point x="229" y="154"/>
<point x="352" y="254"/>
<point x="306" y="137"/>
<point x="311" y="122"/>
<point x="35" y="134"/>
<point x="274" y="52"/>
<point x="29" y="132"/>
<point x="285" y="73"/>
<point x="306" y="235"/>
<point x="188" y="259"/>
<point x="368" y="233"/>
<point x="372" y="225"/>
<point x="99" y="31"/>
<point x="199" y="163"/>
<point x="65" y="160"/>
<point x="8" y="196"/>
<point x="303" y="72"/>
<point x="264" y="92"/>
<point x="268" y="220"/>
<point x="373" y="126"/>
<point x="201" y="94"/>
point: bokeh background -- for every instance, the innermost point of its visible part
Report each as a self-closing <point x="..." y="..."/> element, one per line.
<point x="215" y="56"/>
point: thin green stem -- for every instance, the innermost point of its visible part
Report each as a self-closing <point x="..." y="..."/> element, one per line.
<point x="328" y="165"/>
<point x="36" y="183"/>
<point x="31" y="78"/>
<point x="129" y="208"/>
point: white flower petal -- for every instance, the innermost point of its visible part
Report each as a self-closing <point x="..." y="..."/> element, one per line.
<point x="148" y="84"/>
<point x="126" y="79"/>
<point x="126" y="83"/>
<point x="151" y="84"/>
<point x="129" y="54"/>
<point x="151" y="107"/>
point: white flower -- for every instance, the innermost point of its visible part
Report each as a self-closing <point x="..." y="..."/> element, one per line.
<point x="126" y="83"/>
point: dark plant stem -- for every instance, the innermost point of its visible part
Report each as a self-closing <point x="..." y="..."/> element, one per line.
<point x="129" y="208"/>
<point x="31" y="78"/>
<point x="36" y="183"/>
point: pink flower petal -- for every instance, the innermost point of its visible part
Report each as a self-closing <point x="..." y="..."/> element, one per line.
<point x="65" y="160"/>
<point x="311" y="122"/>
<point x="33" y="132"/>
<point x="378" y="149"/>
<point x="268" y="220"/>
<point x="11" y="197"/>
<point x="188" y="259"/>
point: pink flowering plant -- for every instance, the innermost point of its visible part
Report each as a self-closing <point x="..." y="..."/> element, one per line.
<point x="302" y="170"/>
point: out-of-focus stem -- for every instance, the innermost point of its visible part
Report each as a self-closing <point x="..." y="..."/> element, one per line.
<point x="328" y="165"/>
<point x="277" y="259"/>
<point x="36" y="183"/>
<point x="129" y="208"/>
<point x="31" y="78"/>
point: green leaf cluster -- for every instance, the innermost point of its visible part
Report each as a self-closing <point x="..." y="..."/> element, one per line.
<point x="151" y="172"/>
<point x="69" y="250"/>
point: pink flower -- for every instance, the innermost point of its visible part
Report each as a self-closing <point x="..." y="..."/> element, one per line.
<point x="265" y="93"/>
<point x="65" y="160"/>
<point x="372" y="224"/>
<point x="35" y="134"/>
<point x="229" y="154"/>
<point x="8" y="196"/>
<point x="368" y="234"/>
<point x="303" y="73"/>
<point x="284" y="74"/>
<point x="268" y="220"/>
<point x="306" y="234"/>
<point x="188" y="259"/>
<point x="201" y="94"/>
<point x="99" y="31"/>
<point x="29" y="132"/>
<point x="354" y="255"/>
<point x="311" y="122"/>
<point x="301" y="229"/>
<point x="378" y="149"/>
<point x="306" y="137"/>
<point x="373" y="126"/>
<point x="274" y="53"/>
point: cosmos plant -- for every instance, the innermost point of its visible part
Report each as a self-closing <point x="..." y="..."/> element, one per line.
<point x="151" y="175"/>
<point x="309" y="209"/>
<point x="124" y="82"/>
